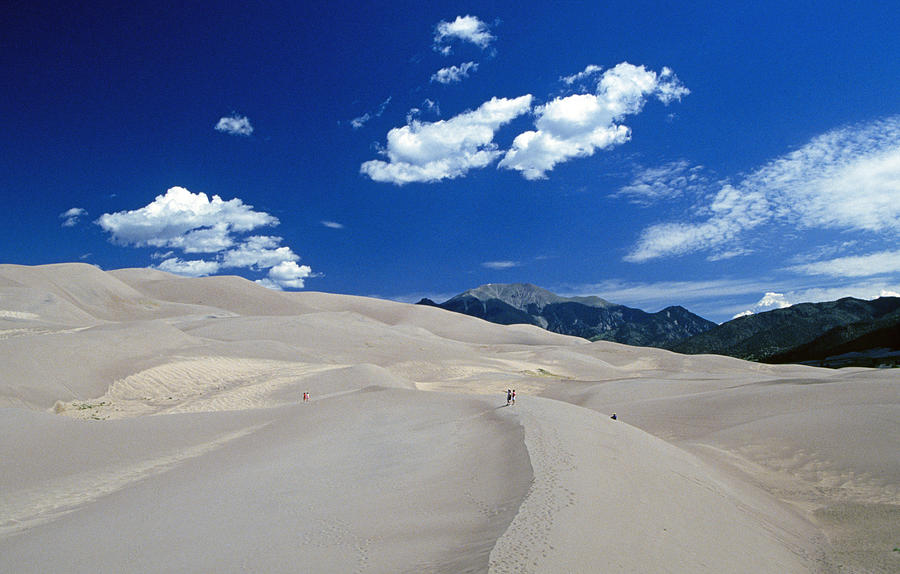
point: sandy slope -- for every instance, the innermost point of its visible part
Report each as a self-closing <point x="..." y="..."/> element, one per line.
<point x="305" y="488"/>
<point x="609" y="498"/>
<point x="155" y="423"/>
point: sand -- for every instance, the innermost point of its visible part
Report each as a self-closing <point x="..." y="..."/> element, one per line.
<point x="154" y="423"/>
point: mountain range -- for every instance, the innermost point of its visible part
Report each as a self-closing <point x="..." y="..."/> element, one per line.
<point x="588" y="317"/>
<point x="847" y="332"/>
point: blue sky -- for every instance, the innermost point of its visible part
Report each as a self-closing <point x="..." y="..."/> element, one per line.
<point x="721" y="156"/>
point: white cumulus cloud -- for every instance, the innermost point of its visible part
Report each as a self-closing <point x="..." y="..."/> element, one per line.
<point x="464" y="28"/>
<point x="189" y="268"/>
<point x="234" y="125"/>
<point x="286" y="274"/>
<point x="258" y="252"/>
<point x="566" y="127"/>
<point x="453" y="74"/>
<point x="669" y="88"/>
<point x="768" y="302"/>
<point x="446" y="149"/>
<point x="578" y="125"/>
<point x="190" y="222"/>
<point x="184" y="220"/>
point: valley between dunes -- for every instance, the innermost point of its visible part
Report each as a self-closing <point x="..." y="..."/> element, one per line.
<point x="154" y="423"/>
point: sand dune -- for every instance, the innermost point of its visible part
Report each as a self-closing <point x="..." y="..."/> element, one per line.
<point x="156" y="423"/>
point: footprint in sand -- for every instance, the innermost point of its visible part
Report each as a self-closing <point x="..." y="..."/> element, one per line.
<point x="525" y="544"/>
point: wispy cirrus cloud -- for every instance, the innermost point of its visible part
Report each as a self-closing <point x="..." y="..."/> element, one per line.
<point x="362" y="120"/>
<point x="657" y="294"/>
<point x="446" y="149"/>
<point x="453" y="74"/>
<point x="654" y="184"/>
<point x="333" y="224"/>
<point x="847" y="179"/>
<point x="464" y="29"/>
<point x="723" y="299"/>
<point x="71" y="217"/>
<point x="500" y="265"/>
<point x="194" y="223"/>
<point x="732" y="211"/>
<point x="235" y="125"/>
<point x="589" y="71"/>
<point x="881" y="263"/>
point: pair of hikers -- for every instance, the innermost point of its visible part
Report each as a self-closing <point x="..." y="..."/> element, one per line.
<point x="510" y="397"/>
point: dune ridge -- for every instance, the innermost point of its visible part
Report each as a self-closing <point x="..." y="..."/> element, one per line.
<point x="162" y="419"/>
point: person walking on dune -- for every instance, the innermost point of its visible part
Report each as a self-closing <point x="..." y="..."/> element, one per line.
<point x="514" y="396"/>
<point x="508" y="397"/>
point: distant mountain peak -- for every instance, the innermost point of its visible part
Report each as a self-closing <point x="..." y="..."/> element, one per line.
<point x="518" y="295"/>
<point x="522" y="295"/>
<point x="589" y="317"/>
